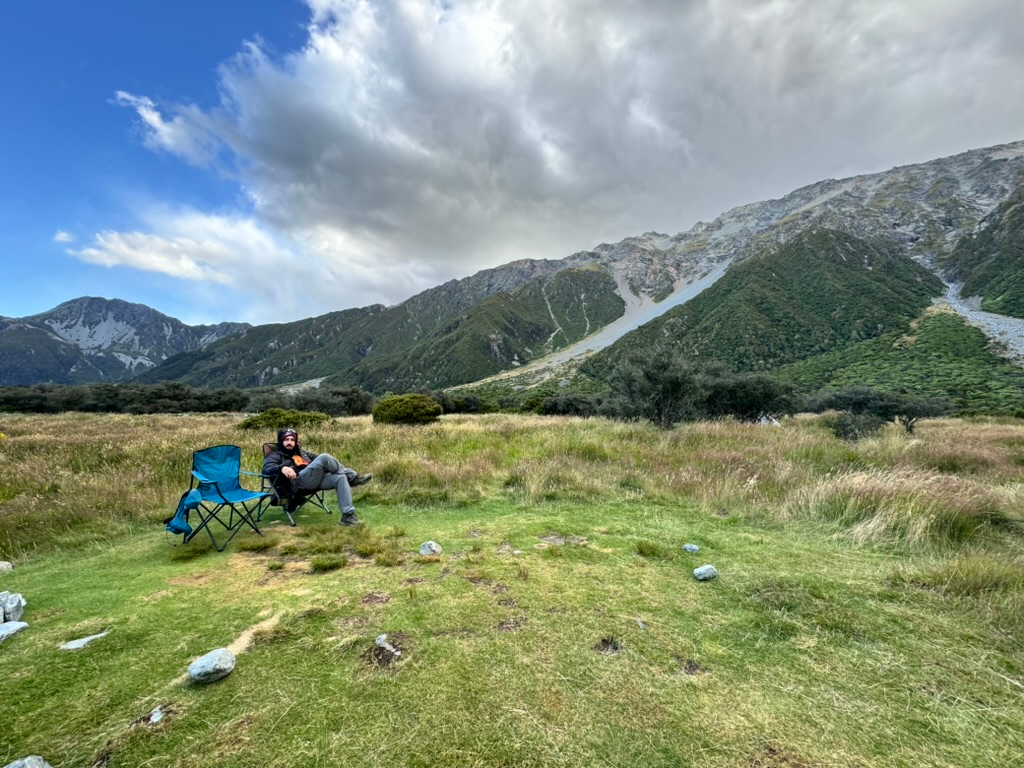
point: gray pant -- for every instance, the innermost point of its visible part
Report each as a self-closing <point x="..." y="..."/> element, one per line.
<point x="326" y="472"/>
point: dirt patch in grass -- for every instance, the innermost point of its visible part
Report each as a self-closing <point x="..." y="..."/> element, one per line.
<point x="376" y="598"/>
<point x="511" y="625"/>
<point x="377" y="657"/>
<point x="500" y="589"/>
<point x="774" y="755"/>
<point x="415" y="580"/>
<point x="479" y="580"/>
<point x="474" y="534"/>
<point x="507" y="602"/>
<point x="690" y="667"/>
<point x="166" y="711"/>
<point x="608" y="646"/>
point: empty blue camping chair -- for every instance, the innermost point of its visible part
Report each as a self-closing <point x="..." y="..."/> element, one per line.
<point x="216" y="495"/>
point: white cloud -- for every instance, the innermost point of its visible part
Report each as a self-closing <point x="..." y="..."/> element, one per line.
<point x="411" y="141"/>
<point x="63" y="237"/>
<point x="186" y="134"/>
<point x="256" y="274"/>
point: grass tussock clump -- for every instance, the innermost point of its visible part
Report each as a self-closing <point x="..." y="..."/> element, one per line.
<point x="326" y="563"/>
<point x="971" y="575"/>
<point x="908" y="506"/>
<point x="653" y="550"/>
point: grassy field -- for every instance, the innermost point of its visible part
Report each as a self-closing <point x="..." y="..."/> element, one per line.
<point x="869" y="609"/>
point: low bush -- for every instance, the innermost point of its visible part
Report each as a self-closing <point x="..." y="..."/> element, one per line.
<point x="853" y="426"/>
<point x="279" y="418"/>
<point x="406" y="409"/>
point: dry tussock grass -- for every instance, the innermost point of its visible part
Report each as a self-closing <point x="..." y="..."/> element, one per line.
<point x="82" y="472"/>
<point x="910" y="505"/>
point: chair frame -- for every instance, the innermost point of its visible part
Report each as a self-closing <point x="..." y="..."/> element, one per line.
<point x="269" y="485"/>
<point x="243" y="505"/>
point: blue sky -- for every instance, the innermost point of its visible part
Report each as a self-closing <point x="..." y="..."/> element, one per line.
<point x="276" y="160"/>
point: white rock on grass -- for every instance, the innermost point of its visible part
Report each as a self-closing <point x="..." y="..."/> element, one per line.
<point x="705" y="573"/>
<point x="12" y="606"/>
<point x="212" y="667"/>
<point x="6" y="566"/>
<point x="430" y="548"/>
<point x="74" y="645"/>
<point x="32" y="761"/>
<point x="11" y="628"/>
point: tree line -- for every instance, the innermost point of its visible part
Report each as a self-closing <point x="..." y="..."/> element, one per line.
<point x="661" y="386"/>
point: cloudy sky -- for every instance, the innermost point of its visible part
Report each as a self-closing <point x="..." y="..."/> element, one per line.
<point x="271" y="161"/>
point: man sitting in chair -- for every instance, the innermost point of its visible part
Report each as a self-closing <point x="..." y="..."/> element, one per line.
<point x="296" y="471"/>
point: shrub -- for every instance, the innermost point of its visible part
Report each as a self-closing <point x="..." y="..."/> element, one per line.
<point x="853" y="426"/>
<point x="279" y="418"/>
<point x="659" y="385"/>
<point x="406" y="409"/>
<point x="336" y="401"/>
<point x="570" y="404"/>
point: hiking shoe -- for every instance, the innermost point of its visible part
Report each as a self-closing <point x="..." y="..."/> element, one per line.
<point x="360" y="480"/>
<point x="349" y="519"/>
<point x="293" y="504"/>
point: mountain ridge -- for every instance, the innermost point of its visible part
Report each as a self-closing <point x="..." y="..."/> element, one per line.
<point x="922" y="209"/>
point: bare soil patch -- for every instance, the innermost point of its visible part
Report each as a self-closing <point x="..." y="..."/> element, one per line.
<point x="690" y="667"/>
<point x="774" y="755"/>
<point x="608" y="646"/>
<point x="376" y="598"/>
<point x="377" y="657"/>
<point x="511" y="625"/>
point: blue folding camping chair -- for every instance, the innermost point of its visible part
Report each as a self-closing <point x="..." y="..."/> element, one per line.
<point x="215" y="493"/>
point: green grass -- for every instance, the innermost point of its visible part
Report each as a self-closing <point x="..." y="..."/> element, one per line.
<point x="817" y="645"/>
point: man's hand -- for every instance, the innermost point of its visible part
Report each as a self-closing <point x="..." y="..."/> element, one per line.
<point x="288" y="472"/>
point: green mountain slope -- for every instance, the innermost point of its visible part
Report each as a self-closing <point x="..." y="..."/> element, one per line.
<point x="820" y="291"/>
<point x="415" y="344"/>
<point x="501" y="332"/>
<point x="990" y="262"/>
<point x="940" y="356"/>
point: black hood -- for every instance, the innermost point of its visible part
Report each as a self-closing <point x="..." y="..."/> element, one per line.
<point x="280" y="439"/>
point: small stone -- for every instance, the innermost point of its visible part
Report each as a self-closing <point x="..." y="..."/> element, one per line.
<point x="32" y="761"/>
<point x="156" y="716"/>
<point x="10" y="629"/>
<point x="691" y="547"/>
<point x="212" y="667"/>
<point x="430" y="548"/>
<point x="12" y="606"/>
<point x="74" y="645"/>
<point x="6" y="566"/>
<point x="705" y="573"/>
